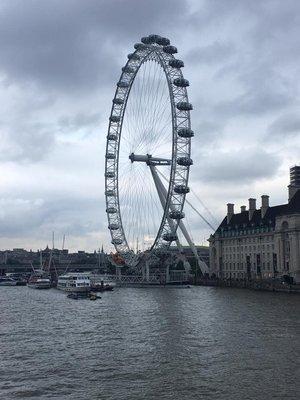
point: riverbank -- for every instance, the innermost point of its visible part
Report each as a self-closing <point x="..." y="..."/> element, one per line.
<point x="270" y="286"/>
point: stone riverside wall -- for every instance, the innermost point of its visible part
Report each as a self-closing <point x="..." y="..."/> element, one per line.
<point x="272" y="286"/>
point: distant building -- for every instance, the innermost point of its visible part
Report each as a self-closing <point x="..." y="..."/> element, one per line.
<point x="260" y="243"/>
<point x="21" y="260"/>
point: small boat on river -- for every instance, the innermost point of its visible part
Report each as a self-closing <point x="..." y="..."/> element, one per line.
<point x="83" y="295"/>
<point x="6" y="281"/>
<point x="38" y="280"/>
<point x="18" y="278"/>
<point x="75" y="282"/>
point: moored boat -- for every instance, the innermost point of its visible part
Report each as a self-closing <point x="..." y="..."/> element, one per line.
<point x="38" y="280"/>
<point x="6" y="281"/>
<point x="83" y="295"/>
<point x="18" y="278"/>
<point x="74" y="282"/>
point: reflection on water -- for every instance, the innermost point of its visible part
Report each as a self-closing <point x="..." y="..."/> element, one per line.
<point x="196" y="343"/>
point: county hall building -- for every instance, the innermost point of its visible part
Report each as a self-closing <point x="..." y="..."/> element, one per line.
<point x="259" y="242"/>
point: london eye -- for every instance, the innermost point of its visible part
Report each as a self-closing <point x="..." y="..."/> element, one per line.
<point x="149" y="138"/>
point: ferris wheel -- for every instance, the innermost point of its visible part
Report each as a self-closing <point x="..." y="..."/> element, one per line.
<point x="149" y="138"/>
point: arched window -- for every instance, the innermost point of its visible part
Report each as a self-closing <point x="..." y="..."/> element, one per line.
<point x="284" y="226"/>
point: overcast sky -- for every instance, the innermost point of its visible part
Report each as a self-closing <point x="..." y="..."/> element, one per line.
<point x="59" y="63"/>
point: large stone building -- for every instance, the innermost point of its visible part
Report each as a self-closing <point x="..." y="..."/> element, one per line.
<point x="260" y="243"/>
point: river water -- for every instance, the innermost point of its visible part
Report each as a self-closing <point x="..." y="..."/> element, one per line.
<point x="159" y="343"/>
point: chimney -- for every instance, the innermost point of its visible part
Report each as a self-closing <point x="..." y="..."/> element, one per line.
<point x="252" y="207"/>
<point x="230" y="211"/>
<point x="243" y="209"/>
<point x="264" y="204"/>
<point x="294" y="185"/>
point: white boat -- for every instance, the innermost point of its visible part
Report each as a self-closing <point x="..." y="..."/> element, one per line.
<point x="39" y="281"/>
<point x="18" y="278"/>
<point x="74" y="282"/>
<point x="6" y="281"/>
<point x="40" y="278"/>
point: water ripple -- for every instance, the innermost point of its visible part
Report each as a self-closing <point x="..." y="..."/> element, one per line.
<point x="135" y="344"/>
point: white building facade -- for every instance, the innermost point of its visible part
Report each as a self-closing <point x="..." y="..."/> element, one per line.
<point x="259" y="243"/>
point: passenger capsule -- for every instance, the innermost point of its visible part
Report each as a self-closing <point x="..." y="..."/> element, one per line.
<point x="146" y="40"/>
<point x="118" y="100"/>
<point x="170" y="237"/>
<point x="110" y="193"/>
<point x="110" y="156"/>
<point x="184" y="161"/>
<point x="115" y="118"/>
<point x="113" y="227"/>
<point x="140" y="46"/>
<point x="133" y="56"/>
<point x="162" y="41"/>
<point x="112" y="136"/>
<point x="181" y="82"/>
<point x="174" y="63"/>
<point x="181" y="189"/>
<point x="176" y="214"/>
<point x="109" y="174"/>
<point x="117" y="241"/>
<point x="122" y="84"/>
<point x="184" y="106"/>
<point x="185" y="132"/>
<point x="111" y="210"/>
<point x="153" y="38"/>
<point x="128" y="69"/>
<point x="170" y="49"/>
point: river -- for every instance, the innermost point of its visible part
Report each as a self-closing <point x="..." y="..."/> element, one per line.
<point x="159" y="343"/>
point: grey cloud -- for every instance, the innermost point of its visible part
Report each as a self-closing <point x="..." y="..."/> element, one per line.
<point x="276" y="32"/>
<point x="207" y="133"/>
<point x="66" y="49"/>
<point x="79" y="121"/>
<point x="266" y="42"/>
<point x="73" y="216"/>
<point x="261" y="102"/>
<point x="268" y="17"/>
<point x="27" y="142"/>
<point x="215" y="53"/>
<point x="41" y="43"/>
<point x="207" y="127"/>
<point x="286" y="125"/>
<point x="238" y="166"/>
<point x="73" y="45"/>
<point x="265" y="91"/>
<point x="213" y="14"/>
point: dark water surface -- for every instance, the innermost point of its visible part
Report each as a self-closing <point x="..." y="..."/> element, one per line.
<point x="198" y="343"/>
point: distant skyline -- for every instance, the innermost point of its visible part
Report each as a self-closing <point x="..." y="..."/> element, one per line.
<point x="59" y="64"/>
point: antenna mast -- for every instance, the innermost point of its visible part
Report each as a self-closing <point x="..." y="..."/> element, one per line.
<point x="63" y="243"/>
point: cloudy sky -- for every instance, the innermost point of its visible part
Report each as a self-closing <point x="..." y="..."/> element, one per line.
<point x="59" y="62"/>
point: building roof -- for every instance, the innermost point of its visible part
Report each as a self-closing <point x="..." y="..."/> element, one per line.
<point x="241" y="220"/>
